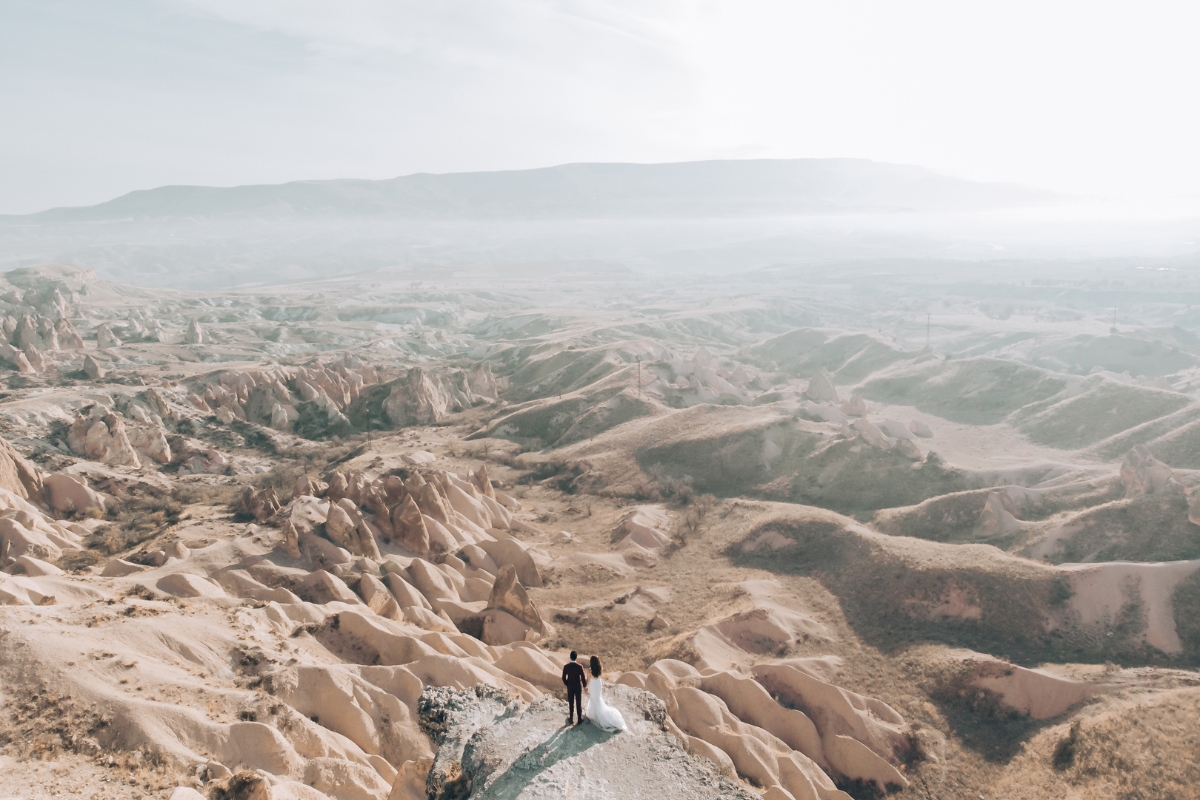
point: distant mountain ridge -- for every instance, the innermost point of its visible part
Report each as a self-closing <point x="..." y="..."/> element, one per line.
<point x="576" y="191"/>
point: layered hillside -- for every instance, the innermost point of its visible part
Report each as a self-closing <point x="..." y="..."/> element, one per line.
<point x="336" y="540"/>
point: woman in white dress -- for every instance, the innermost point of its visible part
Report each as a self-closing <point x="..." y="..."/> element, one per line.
<point x="602" y="715"/>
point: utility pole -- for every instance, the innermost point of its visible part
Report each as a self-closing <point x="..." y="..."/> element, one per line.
<point x="928" y="322"/>
<point x="1113" y="329"/>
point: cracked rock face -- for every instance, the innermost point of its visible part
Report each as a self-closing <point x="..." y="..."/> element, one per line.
<point x="492" y="746"/>
<point x="101" y="436"/>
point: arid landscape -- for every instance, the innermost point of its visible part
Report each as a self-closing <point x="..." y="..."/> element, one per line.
<point x="842" y="531"/>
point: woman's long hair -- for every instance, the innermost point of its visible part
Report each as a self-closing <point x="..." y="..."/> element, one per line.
<point x="596" y="667"/>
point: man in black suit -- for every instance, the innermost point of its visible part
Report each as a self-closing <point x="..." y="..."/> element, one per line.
<point x="575" y="679"/>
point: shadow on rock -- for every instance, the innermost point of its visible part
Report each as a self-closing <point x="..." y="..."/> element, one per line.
<point x="564" y="743"/>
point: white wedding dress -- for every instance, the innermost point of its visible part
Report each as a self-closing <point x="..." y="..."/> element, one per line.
<point x="601" y="714"/>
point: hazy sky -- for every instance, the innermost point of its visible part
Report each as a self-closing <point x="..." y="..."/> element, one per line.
<point x="100" y="98"/>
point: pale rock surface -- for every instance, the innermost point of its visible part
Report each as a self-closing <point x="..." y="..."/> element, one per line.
<point x="34" y="568"/>
<point x="871" y="434"/>
<point x="513" y="552"/>
<point x="68" y="337"/>
<point x="856" y="406"/>
<point x="1143" y="474"/>
<point x="15" y="358"/>
<point x="23" y="533"/>
<point x="837" y="711"/>
<point x="322" y="587"/>
<point x="35" y="358"/>
<point x="919" y="428"/>
<point x="1036" y="693"/>
<point x="93" y="369"/>
<point x="105" y="338"/>
<point x="820" y="389"/>
<point x="150" y="442"/>
<point x="182" y="584"/>
<point x="509" y="595"/>
<point x="306" y="485"/>
<point x="195" y="333"/>
<point x="525" y="751"/>
<point x="646" y="529"/>
<point x="408" y="524"/>
<point x="415" y="400"/>
<point x="100" y="435"/>
<point x="908" y="448"/>
<point x="68" y="494"/>
<point x="261" y="504"/>
<point x="119" y="568"/>
<point x="997" y="517"/>
<point x="19" y="476"/>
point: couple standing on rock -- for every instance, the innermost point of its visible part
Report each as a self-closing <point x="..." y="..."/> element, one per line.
<point x="599" y="713"/>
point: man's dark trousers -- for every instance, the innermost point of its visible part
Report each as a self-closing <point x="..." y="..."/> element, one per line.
<point x="575" y="696"/>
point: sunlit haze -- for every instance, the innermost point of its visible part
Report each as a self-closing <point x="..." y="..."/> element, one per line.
<point x="1076" y="97"/>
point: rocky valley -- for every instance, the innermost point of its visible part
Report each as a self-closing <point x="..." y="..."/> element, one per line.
<point x="847" y="531"/>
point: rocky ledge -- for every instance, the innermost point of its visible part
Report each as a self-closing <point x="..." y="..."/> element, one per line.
<point x="491" y="746"/>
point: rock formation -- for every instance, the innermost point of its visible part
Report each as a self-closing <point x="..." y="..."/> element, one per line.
<point x="1142" y="473"/>
<point x="194" y="334"/>
<point x="415" y="400"/>
<point x="99" y="434"/>
<point x="261" y="504"/>
<point x="105" y="338"/>
<point x="92" y="369"/>
<point x="820" y="389"/>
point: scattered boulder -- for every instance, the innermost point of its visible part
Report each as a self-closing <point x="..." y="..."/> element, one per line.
<point x="483" y="482"/>
<point x="855" y="406"/>
<point x="820" y="389"/>
<point x="346" y="527"/>
<point x="35" y="358"/>
<point x="92" y="369"/>
<point x="509" y="595"/>
<point x="199" y="460"/>
<point x="430" y="501"/>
